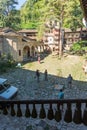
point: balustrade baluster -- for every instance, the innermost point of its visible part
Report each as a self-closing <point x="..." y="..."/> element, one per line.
<point x="50" y="114"/>
<point x="27" y="111"/>
<point x="34" y="112"/>
<point x="58" y="115"/>
<point x="85" y="115"/>
<point x="12" y="110"/>
<point x="68" y="113"/>
<point x="5" y="110"/>
<point x="19" y="112"/>
<point x="77" y="118"/>
<point x="42" y="112"/>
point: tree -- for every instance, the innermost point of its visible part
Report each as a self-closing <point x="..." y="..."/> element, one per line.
<point x="50" y="12"/>
<point x="73" y="15"/>
<point x="28" y="12"/>
<point x="68" y="12"/>
<point x="8" y="13"/>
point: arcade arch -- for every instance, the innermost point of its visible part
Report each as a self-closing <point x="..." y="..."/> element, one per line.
<point x="26" y="52"/>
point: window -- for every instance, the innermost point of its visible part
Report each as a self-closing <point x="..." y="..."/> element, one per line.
<point x="19" y="52"/>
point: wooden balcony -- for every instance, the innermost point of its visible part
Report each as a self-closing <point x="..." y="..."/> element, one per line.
<point x="74" y="110"/>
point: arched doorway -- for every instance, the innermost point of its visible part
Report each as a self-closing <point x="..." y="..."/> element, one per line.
<point x="26" y="52"/>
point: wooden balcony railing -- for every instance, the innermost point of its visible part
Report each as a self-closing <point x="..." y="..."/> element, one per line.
<point x="74" y="110"/>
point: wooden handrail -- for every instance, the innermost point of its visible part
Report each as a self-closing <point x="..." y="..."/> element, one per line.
<point x="53" y="101"/>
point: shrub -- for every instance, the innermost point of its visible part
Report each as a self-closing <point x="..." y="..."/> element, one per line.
<point x="6" y="62"/>
<point x="79" y="47"/>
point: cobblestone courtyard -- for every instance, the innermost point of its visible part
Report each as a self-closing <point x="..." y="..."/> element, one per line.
<point x="24" y="79"/>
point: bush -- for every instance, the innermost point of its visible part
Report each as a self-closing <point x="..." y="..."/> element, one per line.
<point x="6" y="62"/>
<point x="79" y="47"/>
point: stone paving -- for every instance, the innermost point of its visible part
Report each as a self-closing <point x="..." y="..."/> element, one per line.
<point x="29" y="88"/>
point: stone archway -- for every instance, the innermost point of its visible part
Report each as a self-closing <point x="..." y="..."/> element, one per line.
<point x="26" y="52"/>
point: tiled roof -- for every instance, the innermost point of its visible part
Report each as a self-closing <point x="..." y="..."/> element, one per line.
<point x="28" y="31"/>
<point x="8" y="32"/>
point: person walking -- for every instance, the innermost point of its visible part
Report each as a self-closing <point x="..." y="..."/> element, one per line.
<point x="61" y="96"/>
<point x="38" y="75"/>
<point x="39" y="59"/>
<point x="46" y="75"/>
<point x="69" y="80"/>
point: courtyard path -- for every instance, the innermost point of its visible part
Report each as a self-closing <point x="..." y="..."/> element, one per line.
<point x="29" y="88"/>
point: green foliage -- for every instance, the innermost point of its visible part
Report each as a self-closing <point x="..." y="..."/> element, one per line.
<point x="3" y="57"/>
<point x="9" y="57"/>
<point x="72" y="15"/>
<point x="10" y="60"/>
<point x="9" y="17"/>
<point x="35" y="13"/>
<point x="76" y="47"/>
<point x="6" y="62"/>
<point x="30" y="25"/>
<point x="79" y="47"/>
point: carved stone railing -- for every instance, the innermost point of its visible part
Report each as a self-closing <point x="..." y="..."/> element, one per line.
<point x="72" y="110"/>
